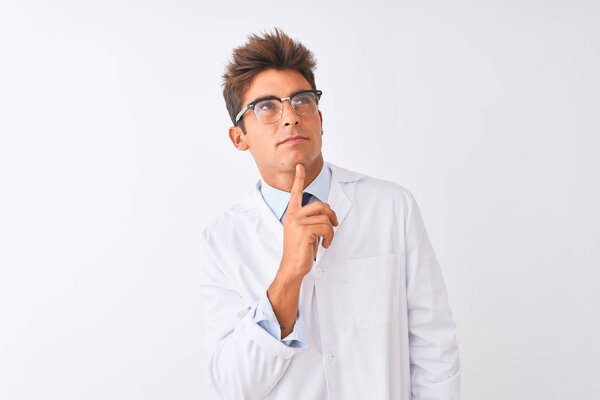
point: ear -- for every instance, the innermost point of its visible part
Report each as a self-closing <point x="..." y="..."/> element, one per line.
<point x="321" y="117"/>
<point x="238" y="138"/>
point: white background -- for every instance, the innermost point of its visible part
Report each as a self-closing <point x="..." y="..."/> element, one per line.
<point x="114" y="155"/>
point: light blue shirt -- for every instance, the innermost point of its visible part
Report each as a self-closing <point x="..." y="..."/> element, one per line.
<point x="278" y="200"/>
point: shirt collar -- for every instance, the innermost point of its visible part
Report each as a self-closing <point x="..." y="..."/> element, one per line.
<point x="277" y="200"/>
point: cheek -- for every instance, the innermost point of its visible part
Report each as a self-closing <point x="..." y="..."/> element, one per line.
<point x="316" y="126"/>
<point x="263" y="143"/>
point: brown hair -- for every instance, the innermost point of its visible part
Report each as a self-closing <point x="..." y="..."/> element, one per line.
<point x="271" y="50"/>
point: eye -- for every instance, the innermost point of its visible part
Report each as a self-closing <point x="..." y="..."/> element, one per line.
<point x="304" y="99"/>
<point x="267" y="105"/>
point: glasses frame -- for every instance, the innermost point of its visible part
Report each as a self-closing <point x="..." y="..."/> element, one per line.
<point x="251" y="105"/>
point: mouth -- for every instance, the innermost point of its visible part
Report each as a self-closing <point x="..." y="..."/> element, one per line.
<point x="294" y="139"/>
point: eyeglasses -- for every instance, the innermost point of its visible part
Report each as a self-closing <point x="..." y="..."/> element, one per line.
<point x="269" y="109"/>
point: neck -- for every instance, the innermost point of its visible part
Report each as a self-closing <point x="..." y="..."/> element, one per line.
<point x="284" y="179"/>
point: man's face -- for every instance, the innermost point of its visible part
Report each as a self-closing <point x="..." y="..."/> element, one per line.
<point x="266" y="141"/>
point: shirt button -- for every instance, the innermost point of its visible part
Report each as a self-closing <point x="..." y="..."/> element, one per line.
<point x="329" y="358"/>
<point x="318" y="272"/>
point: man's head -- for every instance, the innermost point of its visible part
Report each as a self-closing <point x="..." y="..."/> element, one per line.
<point x="274" y="65"/>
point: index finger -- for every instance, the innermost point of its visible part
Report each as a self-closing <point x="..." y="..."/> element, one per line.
<point x="297" y="187"/>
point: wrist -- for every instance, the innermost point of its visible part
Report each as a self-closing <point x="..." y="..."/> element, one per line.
<point x="292" y="272"/>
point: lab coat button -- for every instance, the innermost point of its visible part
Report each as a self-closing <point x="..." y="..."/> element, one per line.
<point x="318" y="273"/>
<point x="329" y="358"/>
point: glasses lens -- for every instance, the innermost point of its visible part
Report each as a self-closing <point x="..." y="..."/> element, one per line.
<point x="305" y="103"/>
<point x="268" y="111"/>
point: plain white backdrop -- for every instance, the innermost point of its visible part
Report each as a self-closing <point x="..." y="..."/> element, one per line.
<point x="114" y="155"/>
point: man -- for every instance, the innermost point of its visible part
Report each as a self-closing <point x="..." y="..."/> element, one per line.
<point x="321" y="283"/>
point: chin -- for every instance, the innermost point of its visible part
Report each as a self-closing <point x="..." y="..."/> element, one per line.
<point x="304" y="159"/>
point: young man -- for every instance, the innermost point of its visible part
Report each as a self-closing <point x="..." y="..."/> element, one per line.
<point x="321" y="283"/>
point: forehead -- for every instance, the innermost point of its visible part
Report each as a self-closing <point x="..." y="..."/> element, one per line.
<point x="273" y="82"/>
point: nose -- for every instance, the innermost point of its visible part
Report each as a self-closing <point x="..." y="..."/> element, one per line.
<point x="289" y="114"/>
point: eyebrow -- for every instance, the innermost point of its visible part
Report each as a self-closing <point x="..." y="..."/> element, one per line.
<point x="272" y="96"/>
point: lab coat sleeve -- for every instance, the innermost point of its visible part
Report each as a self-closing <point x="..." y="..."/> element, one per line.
<point x="434" y="358"/>
<point x="244" y="360"/>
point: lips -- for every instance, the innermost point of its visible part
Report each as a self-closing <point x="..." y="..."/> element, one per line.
<point x="294" y="139"/>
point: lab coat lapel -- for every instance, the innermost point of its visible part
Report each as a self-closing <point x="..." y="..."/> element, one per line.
<point x="339" y="203"/>
<point x="267" y="225"/>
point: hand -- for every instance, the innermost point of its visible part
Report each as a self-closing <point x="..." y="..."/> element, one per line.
<point x="302" y="227"/>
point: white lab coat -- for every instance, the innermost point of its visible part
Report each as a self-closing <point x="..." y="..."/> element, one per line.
<point x="381" y="327"/>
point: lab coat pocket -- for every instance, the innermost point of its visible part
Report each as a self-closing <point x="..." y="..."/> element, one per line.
<point x="374" y="288"/>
